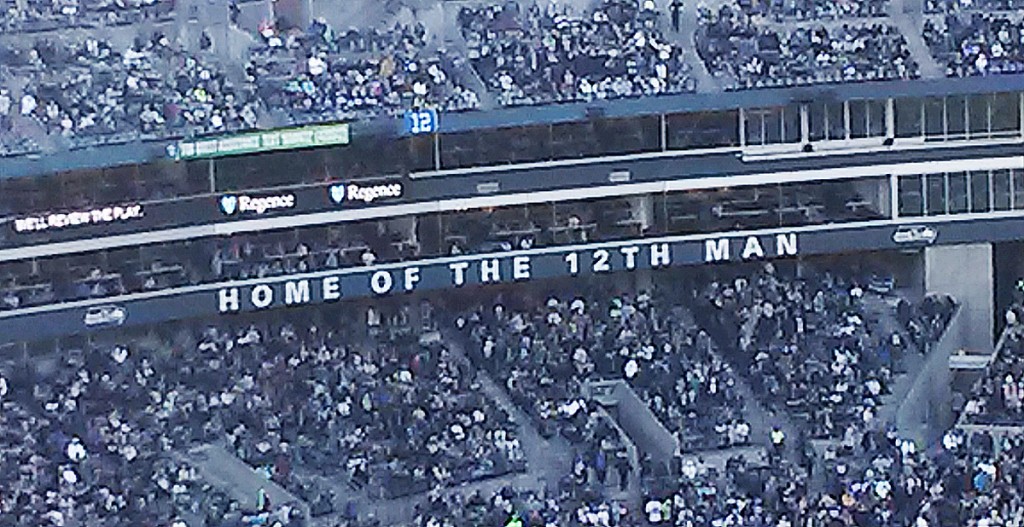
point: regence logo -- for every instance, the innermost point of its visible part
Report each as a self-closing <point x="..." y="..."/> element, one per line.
<point x="353" y="192"/>
<point x="232" y="204"/>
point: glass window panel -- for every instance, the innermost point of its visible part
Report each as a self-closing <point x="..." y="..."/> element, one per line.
<point x="1001" y="189"/>
<point x="979" y="191"/>
<point x="958" y="202"/>
<point x="911" y="199"/>
<point x="817" y="121"/>
<point x="752" y="127"/>
<point x="572" y="140"/>
<point x="933" y="111"/>
<point x="908" y="117"/>
<point x="858" y="119"/>
<point x="623" y="136"/>
<point x="521" y="145"/>
<point x="1018" y="189"/>
<point x="836" y="121"/>
<point x="773" y="126"/>
<point x="977" y="110"/>
<point x="936" y="194"/>
<point x="1006" y="112"/>
<point x="876" y="118"/>
<point x="702" y="129"/>
<point x="458" y="150"/>
<point x="791" y="121"/>
<point x="956" y="124"/>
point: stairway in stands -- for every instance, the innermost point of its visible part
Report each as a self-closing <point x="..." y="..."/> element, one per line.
<point x="882" y="310"/>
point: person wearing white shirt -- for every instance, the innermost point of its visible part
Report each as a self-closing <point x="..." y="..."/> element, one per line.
<point x="653" y="510"/>
<point x="76" y="450"/>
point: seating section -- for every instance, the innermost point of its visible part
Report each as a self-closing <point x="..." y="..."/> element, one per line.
<point x="996" y="398"/>
<point x="744" y="394"/>
<point x="810" y="346"/>
<point x="324" y="75"/>
<point x="84" y="89"/>
<point x="550" y="353"/>
<point x="37" y="16"/>
<point x="308" y="405"/>
<point x="92" y="91"/>
<point x="746" y="53"/>
<point x="536" y="56"/>
<point x="813" y="9"/>
<point x="977" y="41"/>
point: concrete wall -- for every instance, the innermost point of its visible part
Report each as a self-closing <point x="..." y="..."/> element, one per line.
<point x="927" y="411"/>
<point x="1009" y="266"/>
<point x="636" y="419"/>
<point x="965" y="272"/>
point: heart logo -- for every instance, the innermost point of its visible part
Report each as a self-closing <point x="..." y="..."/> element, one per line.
<point x="337" y="193"/>
<point x="228" y="204"/>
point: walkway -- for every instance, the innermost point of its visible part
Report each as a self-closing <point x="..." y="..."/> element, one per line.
<point x="454" y="41"/>
<point x="222" y="469"/>
<point x="686" y="39"/>
<point x="547" y="460"/>
<point x="883" y="310"/>
<point x="911" y="27"/>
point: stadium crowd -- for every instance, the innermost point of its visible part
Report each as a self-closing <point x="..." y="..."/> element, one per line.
<point x="966" y="6"/>
<point x="810" y="347"/>
<point x="884" y="481"/>
<point x="75" y="454"/>
<point x="813" y="9"/>
<point x="304" y="403"/>
<point x="549" y="352"/>
<point x="977" y="42"/>
<point x="733" y="44"/>
<point x="90" y="89"/>
<point x="998" y="397"/>
<point x="37" y="16"/>
<point x="323" y="75"/>
<point x="525" y="507"/>
<point x="546" y="53"/>
<point x="364" y="402"/>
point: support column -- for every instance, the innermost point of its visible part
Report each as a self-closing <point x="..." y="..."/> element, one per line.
<point x="846" y="120"/>
<point x="890" y="119"/>
<point x="643" y="211"/>
<point x="743" y="127"/>
<point x="437" y="152"/>
<point x="1020" y="106"/>
<point x="965" y="272"/>
<point x="894" y="199"/>
<point x="212" y="174"/>
<point x="805" y="125"/>
<point x="664" y="133"/>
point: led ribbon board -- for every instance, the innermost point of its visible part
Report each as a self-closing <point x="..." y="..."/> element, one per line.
<point x="259" y="142"/>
